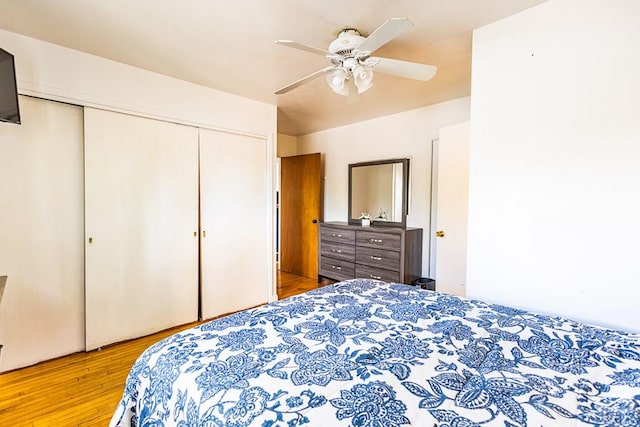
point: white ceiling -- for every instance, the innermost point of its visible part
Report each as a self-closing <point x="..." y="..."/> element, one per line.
<point x="229" y="45"/>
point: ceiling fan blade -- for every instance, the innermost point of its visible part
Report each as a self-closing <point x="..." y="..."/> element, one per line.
<point x="410" y="70"/>
<point x="303" y="80"/>
<point x="384" y="34"/>
<point x="291" y="43"/>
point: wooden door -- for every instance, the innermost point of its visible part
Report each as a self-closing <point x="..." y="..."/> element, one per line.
<point x="451" y="209"/>
<point x="301" y="190"/>
<point x="236" y="223"/>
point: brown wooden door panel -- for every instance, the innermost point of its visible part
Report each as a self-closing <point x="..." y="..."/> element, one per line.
<point x="301" y="191"/>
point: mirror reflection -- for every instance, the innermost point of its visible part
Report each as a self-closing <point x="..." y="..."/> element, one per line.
<point x="379" y="189"/>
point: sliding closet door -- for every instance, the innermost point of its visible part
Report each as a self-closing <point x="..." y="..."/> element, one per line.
<point x="236" y="222"/>
<point x="41" y="234"/>
<point x="141" y="226"/>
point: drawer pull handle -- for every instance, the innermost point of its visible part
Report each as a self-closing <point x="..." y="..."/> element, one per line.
<point x="377" y="258"/>
<point x="338" y="251"/>
<point x="336" y="235"/>
<point x="375" y="240"/>
<point x="375" y="277"/>
<point x="336" y="267"/>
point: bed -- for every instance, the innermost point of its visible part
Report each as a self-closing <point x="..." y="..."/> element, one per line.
<point x="370" y="353"/>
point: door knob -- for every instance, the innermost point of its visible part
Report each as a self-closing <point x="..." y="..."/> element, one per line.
<point x="439" y="233"/>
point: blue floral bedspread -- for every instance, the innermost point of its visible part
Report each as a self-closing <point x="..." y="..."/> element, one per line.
<point x="368" y="353"/>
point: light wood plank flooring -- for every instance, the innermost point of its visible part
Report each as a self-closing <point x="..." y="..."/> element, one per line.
<point x="83" y="389"/>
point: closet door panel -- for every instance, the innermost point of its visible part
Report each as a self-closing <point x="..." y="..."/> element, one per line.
<point x="41" y="234"/>
<point x="236" y="222"/>
<point x="141" y="217"/>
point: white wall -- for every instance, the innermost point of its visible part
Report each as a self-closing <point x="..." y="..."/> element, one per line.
<point x="58" y="73"/>
<point x="287" y="145"/>
<point x="407" y="134"/>
<point x="554" y="205"/>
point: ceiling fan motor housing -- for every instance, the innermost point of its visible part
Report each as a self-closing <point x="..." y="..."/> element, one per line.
<point x="347" y="41"/>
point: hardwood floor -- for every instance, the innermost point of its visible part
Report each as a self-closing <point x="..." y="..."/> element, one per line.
<point x="290" y="284"/>
<point x="83" y="389"/>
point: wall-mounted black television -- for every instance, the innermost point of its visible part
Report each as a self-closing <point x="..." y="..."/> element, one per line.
<point x="9" y="108"/>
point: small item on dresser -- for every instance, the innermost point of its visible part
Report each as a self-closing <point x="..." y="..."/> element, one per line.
<point x="366" y="219"/>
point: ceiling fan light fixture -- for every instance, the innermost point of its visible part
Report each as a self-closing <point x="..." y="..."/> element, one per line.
<point x="337" y="80"/>
<point x="363" y="78"/>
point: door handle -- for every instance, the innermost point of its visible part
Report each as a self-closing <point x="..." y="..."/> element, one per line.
<point x="440" y="233"/>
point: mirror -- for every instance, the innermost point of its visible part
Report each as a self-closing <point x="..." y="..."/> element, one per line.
<point x="379" y="188"/>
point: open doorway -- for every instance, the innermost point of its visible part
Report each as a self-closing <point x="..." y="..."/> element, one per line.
<point x="300" y="211"/>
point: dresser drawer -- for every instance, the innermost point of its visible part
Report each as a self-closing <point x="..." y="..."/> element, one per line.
<point x="336" y="269"/>
<point x="367" y="272"/>
<point x="371" y="239"/>
<point x="337" y="235"/>
<point x="375" y="257"/>
<point x="338" y="251"/>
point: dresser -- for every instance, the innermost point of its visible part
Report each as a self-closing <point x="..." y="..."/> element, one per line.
<point x="384" y="253"/>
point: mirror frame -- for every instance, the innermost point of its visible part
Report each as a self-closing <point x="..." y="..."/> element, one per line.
<point x="405" y="192"/>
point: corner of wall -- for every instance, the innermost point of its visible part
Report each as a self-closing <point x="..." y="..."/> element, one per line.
<point x="287" y="145"/>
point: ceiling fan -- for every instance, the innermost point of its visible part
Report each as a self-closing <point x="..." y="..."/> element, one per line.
<point x="353" y="65"/>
